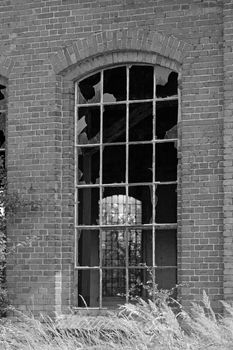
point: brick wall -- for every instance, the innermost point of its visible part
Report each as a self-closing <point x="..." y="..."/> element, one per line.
<point x="45" y="45"/>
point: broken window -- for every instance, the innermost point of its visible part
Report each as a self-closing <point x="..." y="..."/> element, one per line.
<point x="125" y="184"/>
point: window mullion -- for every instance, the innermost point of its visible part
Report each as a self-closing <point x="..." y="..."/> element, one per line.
<point x="101" y="191"/>
<point x="127" y="184"/>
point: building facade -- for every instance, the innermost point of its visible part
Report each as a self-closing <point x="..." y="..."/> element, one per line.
<point x="119" y="123"/>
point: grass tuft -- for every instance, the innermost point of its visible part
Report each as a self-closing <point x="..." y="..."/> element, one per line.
<point x="139" y="326"/>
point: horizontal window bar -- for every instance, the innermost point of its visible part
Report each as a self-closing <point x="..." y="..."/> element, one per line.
<point x="130" y="227"/>
<point x="123" y="184"/>
<point x="91" y="145"/>
<point x="159" y="99"/>
<point x="137" y="267"/>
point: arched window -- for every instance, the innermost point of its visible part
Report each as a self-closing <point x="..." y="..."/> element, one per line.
<point x="125" y="183"/>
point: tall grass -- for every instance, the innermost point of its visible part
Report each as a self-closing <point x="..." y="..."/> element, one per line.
<point x="140" y="326"/>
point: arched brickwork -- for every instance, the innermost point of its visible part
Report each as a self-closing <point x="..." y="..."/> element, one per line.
<point x="110" y="43"/>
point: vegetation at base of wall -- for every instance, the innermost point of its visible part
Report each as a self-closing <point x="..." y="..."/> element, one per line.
<point x="140" y="326"/>
<point x="10" y="203"/>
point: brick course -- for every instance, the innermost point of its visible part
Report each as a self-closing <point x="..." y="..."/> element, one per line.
<point x="45" y="46"/>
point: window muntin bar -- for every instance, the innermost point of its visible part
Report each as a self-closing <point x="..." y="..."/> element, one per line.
<point x="127" y="164"/>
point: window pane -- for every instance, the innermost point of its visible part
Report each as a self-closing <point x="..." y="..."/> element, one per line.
<point x="89" y="89"/>
<point x="114" y="164"/>
<point x="166" y="207"/>
<point x="88" y="206"/>
<point x="140" y="207"/>
<point x="165" y="247"/>
<point x="165" y="255"/>
<point x="114" y="123"/>
<point x="113" y="248"/>
<point x="140" y="163"/>
<point x="88" y="288"/>
<point x="166" y="82"/>
<point x="88" y="125"/>
<point x="88" y="165"/>
<point x="166" y="119"/>
<point x="140" y="284"/>
<point x="114" y="287"/>
<point x="140" y="82"/>
<point x="87" y="241"/>
<point x="140" y="247"/>
<point x="166" y="162"/>
<point x="114" y="84"/>
<point x="140" y="122"/>
<point x="114" y="206"/>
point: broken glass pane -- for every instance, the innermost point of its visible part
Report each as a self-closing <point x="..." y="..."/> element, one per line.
<point x="140" y="121"/>
<point x="140" y="204"/>
<point x="88" y="240"/>
<point x="88" y="206"/>
<point x="113" y="247"/>
<point x="89" y="89"/>
<point x="166" y="162"/>
<point x="166" y="82"/>
<point x="140" y="82"/>
<point x="166" y="119"/>
<point x="140" y="163"/>
<point x="88" y="288"/>
<point x="88" y="125"/>
<point x="166" y="208"/>
<point x="140" y="247"/>
<point x="114" y="160"/>
<point x="114" y="123"/>
<point x="114" y="287"/>
<point x="114" y="84"/>
<point x="88" y="165"/>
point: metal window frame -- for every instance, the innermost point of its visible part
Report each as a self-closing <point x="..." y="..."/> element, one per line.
<point x="153" y="226"/>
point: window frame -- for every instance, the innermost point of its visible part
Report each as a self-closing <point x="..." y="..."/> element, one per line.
<point x="154" y="226"/>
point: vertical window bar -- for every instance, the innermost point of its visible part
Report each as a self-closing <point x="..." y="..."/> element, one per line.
<point x="127" y="183"/>
<point x="75" y="174"/>
<point x="154" y="186"/>
<point x="101" y="188"/>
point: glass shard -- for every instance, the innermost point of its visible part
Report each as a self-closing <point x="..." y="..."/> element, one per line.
<point x="166" y="82"/>
<point x="88" y="125"/>
<point x="166" y="119"/>
<point x="115" y="84"/>
<point x="89" y="89"/>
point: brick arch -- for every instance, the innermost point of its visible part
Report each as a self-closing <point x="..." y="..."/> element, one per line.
<point x="119" y="45"/>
